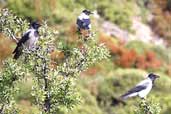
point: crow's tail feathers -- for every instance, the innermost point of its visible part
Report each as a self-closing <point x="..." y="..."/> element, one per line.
<point x="17" y="52"/>
<point x="129" y="94"/>
<point x="124" y="97"/>
<point x="117" y="101"/>
<point x="16" y="56"/>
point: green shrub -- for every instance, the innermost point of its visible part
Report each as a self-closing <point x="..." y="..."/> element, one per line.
<point x="148" y="107"/>
<point x="139" y="46"/>
<point x="88" y="104"/>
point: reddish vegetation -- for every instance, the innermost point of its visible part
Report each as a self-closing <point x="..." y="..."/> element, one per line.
<point x="5" y="49"/>
<point x="129" y="57"/>
<point x="72" y="33"/>
<point x="108" y="42"/>
<point x="149" y="60"/>
<point x="92" y="71"/>
<point x="56" y="57"/>
<point x="140" y="62"/>
<point x="168" y="71"/>
<point x="152" y="61"/>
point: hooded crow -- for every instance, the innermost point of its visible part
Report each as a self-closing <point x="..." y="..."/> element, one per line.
<point x="142" y="89"/>
<point x="83" y="20"/>
<point x="29" y="39"/>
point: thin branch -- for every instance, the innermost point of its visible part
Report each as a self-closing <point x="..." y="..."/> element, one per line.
<point x="47" y="103"/>
<point x="12" y="35"/>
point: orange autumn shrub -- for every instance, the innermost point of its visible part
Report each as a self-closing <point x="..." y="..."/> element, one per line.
<point x="152" y="61"/>
<point x="85" y="33"/>
<point x="141" y="62"/>
<point x="127" y="58"/>
<point x="92" y="71"/>
<point x="110" y="43"/>
<point x="155" y="64"/>
<point x="168" y="71"/>
<point x="150" y="55"/>
<point x="5" y="49"/>
<point x="56" y="57"/>
<point x="72" y="33"/>
<point x="149" y="60"/>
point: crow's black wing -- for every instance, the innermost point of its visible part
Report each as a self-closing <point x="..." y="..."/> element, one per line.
<point x="134" y="90"/>
<point x="24" y="38"/>
<point x="22" y="41"/>
<point x="79" y="23"/>
<point x="83" y="24"/>
<point x="86" y="21"/>
<point x="137" y="89"/>
<point x="18" y="50"/>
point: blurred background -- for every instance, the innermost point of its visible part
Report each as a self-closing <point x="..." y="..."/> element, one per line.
<point x="137" y="34"/>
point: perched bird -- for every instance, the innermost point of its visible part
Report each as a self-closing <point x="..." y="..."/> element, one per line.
<point x="28" y="40"/>
<point x="142" y="89"/>
<point x="83" y="21"/>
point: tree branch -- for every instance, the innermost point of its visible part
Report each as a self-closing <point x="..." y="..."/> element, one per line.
<point x="47" y="103"/>
<point x="12" y="35"/>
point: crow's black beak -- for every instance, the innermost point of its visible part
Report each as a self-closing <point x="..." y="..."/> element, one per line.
<point x="157" y="76"/>
<point x="91" y="13"/>
<point x="39" y="24"/>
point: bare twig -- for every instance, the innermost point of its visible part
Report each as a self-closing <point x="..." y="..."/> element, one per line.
<point x="12" y="35"/>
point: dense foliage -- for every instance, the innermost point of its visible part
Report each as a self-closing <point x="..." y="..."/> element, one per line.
<point x="148" y="107"/>
<point x="53" y="87"/>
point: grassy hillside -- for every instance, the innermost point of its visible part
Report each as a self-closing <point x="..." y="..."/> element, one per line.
<point x="101" y="85"/>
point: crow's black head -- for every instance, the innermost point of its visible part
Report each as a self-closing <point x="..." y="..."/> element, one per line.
<point x="153" y="76"/>
<point x="35" y="25"/>
<point x="87" y="12"/>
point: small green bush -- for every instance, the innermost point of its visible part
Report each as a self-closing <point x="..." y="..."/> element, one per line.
<point x="148" y="107"/>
